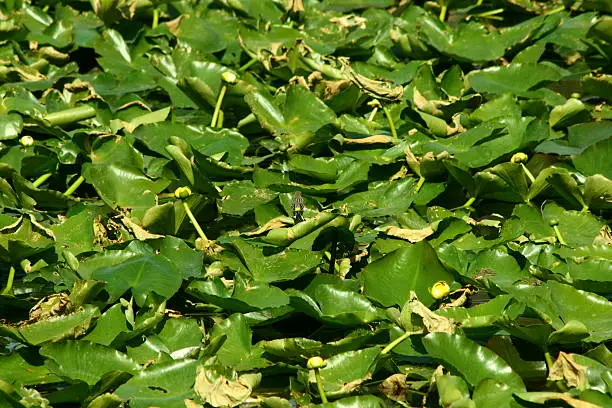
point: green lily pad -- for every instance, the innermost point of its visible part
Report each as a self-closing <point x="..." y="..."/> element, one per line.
<point x="472" y="361"/>
<point x="85" y="361"/>
<point x="416" y="267"/>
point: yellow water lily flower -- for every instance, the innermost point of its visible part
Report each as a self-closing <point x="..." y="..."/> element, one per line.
<point x="315" y="362"/>
<point x="439" y="290"/>
<point x="182" y="192"/>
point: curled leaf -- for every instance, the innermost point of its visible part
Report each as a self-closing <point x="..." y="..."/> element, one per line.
<point x="376" y="89"/>
<point x="376" y="139"/>
<point x="219" y="391"/>
<point x="415" y="313"/>
<point x="565" y="368"/>
<point x="412" y="235"/>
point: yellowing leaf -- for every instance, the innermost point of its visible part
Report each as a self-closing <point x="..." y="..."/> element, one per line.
<point x="219" y="391"/>
<point x="278" y="222"/>
<point x="412" y="235"/>
<point x="416" y="314"/>
<point x="376" y="139"/>
<point x="565" y="368"/>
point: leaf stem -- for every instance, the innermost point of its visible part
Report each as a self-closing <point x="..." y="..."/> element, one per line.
<point x="248" y="64"/>
<point x="555" y="10"/>
<point x="397" y="341"/>
<point x="74" y="186"/>
<point x="390" y="121"/>
<point x="559" y="236"/>
<point x="72" y="115"/>
<point x="325" y="69"/>
<point x="247" y="120"/>
<point x="155" y="18"/>
<point x="443" y="9"/>
<point x="220" y="119"/>
<point x="213" y="122"/>
<point x="41" y="179"/>
<point x="194" y="222"/>
<point x="419" y="184"/>
<point x="333" y="254"/>
<point x="528" y="173"/>
<point x="372" y="114"/>
<point x="320" y="385"/>
<point x="548" y="358"/>
<point x="8" y="290"/>
<point x="469" y="202"/>
<point x="489" y="13"/>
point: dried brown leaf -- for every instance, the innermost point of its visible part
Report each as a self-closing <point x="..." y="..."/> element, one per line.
<point x="219" y="391"/>
<point x="350" y="21"/>
<point x="543" y="397"/>
<point x="376" y="139"/>
<point x="412" y="235"/>
<point x="376" y="89"/>
<point x="173" y="25"/>
<point x="394" y="387"/>
<point x="139" y="232"/>
<point x="274" y="223"/>
<point x="565" y="368"/>
<point x="295" y="6"/>
<point x="431" y="321"/>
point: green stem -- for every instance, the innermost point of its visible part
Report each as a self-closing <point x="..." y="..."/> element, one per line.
<point x="41" y="179"/>
<point x="390" y="120"/>
<point x="155" y="18"/>
<point x="39" y="65"/>
<point x="71" y="115"/>
<point x="248" y="65"/>
<point x="194" y="222"/>
<point x="320" y="385"/>
<point x="74" y="186"/>
<point x="549" y="363"/>
<point x="247" y="120"/>
<point x="372" y="114"/>
<point x="489" y="13"/>
<point x="9" y="283"/>
<point x="549" y="360"/>
<point x="324" y="69"/>
<point x="165" y="195"/>
<point x="443" y="10"/>
<point x="213" y="122"/>
<point x="468" y="203"/>
<point x="559" y="236"/>
<point x="397" y="341"/>
<point x="333" y="254"/>
<point x="220" y="119"/>
<point x="419" y="184"/>
<point x="528" y="173"/>
<point x="556" y="10"/>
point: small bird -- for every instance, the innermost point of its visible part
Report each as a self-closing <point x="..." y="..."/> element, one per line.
<point x="298" y="206"/>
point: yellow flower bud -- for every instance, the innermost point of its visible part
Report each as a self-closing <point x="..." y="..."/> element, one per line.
<point x="26" y="141"/>
<point x="519" y="158"/>
<point x="316" y="362"/>
<point x="182" y="192"/>
<point x="229" y="77"/>
<point x="439" y="290"/>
